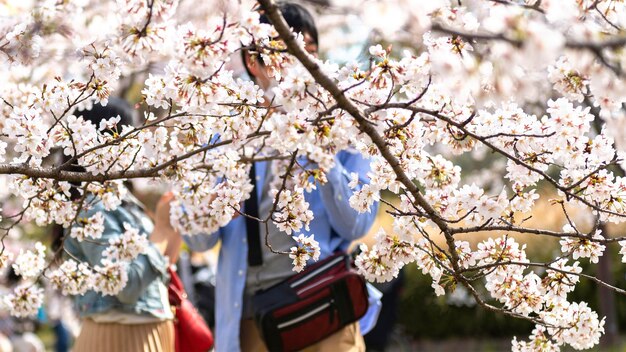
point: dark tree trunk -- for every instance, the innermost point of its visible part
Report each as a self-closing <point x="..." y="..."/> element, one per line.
<point x="607" y="297"/>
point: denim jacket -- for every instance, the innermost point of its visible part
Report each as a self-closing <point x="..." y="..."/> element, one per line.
<point x="142" y="294"/>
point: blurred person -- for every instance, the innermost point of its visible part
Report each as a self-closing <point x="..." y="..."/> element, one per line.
<point x="378" y="338"/>
<point x="62" y="317"/>
<point x="28" y="342"/>
<point x="60" y="313"/>
<point x="197" y="271"/>
<point x="335" y="225"/>
<point x="19" y="332"/>
<point x="138" y="318"/>
<point x="5" y="344"/>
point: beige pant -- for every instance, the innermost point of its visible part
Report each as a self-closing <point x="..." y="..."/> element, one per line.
<point x="348" y="339"/>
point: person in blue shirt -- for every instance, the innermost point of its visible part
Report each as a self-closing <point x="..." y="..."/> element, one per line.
<point x="335" y="226"/>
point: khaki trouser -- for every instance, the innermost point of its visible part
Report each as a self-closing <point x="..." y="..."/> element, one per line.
<point x="348" y="339"/>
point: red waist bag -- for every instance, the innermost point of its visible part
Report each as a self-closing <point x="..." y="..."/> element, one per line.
<point x="310" y="306"/>
<point x="192" y="333"/>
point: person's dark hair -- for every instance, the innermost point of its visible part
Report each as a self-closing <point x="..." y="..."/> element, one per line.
<point x="115" y="107"/>
<point x="297" y="17"/>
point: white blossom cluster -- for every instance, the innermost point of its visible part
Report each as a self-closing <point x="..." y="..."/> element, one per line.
<point x="108" y="277"/>
<point x="92" y="227"/>
<point x="306" y="248"/>
<point x="127" y="246"/>
<point x="72" y="278"/>
<point x="144" y="29"/>
<point x="27" y="297"/>
<point x="5" y="259"/>
<point x="528" y="85"/>
<point x="292" y="213"/>
<point x="385" y="259"/>
<point x="25" y="300"/>
<point x="522" y="292"/>
<point x="29" y="264"/>
<point x="583" y="247"/>
<point x="111" y="277"/>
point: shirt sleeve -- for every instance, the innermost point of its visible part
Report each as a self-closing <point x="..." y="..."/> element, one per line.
<point x="202" y="242"/>
<point x="142" y="271"/>
<point x="336" y="193"/>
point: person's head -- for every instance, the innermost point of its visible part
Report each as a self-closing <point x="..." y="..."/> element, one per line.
<point x="98" y="112"/>
<point x="301" y="21"/>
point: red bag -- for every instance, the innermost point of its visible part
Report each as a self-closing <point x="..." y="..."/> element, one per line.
<point x="312" y="305"/>
<point x="192" y="333"/>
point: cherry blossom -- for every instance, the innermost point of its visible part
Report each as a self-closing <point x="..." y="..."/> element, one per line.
<point x="110" y="278"/>
<point x="583" y="247"/>
<point x="127" y="246"/>
<point x="25" y="300"/>
<point x="29" y="264"/>
<point x="92" y="227"/>
<point x="477" y="112"/>
<point x="72" y="278"/>
<point x="307" y="248"/>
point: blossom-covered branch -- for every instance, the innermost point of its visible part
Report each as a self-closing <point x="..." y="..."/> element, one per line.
<point x="516" y="90"/>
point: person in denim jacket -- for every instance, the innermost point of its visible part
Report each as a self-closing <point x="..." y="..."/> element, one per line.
<point x="139" y="317"/>
<point x="142" y="294"/>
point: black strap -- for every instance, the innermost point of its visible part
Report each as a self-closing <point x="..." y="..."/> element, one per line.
<point x="251" y="207"/>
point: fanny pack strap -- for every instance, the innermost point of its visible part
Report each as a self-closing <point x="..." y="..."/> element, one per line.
<point x="251" y="205"/>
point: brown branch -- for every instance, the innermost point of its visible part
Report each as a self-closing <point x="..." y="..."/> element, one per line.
<point x="270" y="216"/>
<point x="83" y="176"/>
<point x="344" y="103"/>
<point x="500" y="151"/>
<point x="549" y="267"/>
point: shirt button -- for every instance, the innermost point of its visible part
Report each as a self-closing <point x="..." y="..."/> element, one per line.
<point x="244" y="240"/>
<point x="236" y="304"/>
<point x="240" y="272"/>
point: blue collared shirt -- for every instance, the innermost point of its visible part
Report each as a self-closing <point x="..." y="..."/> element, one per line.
<point x="330" y="206"/>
